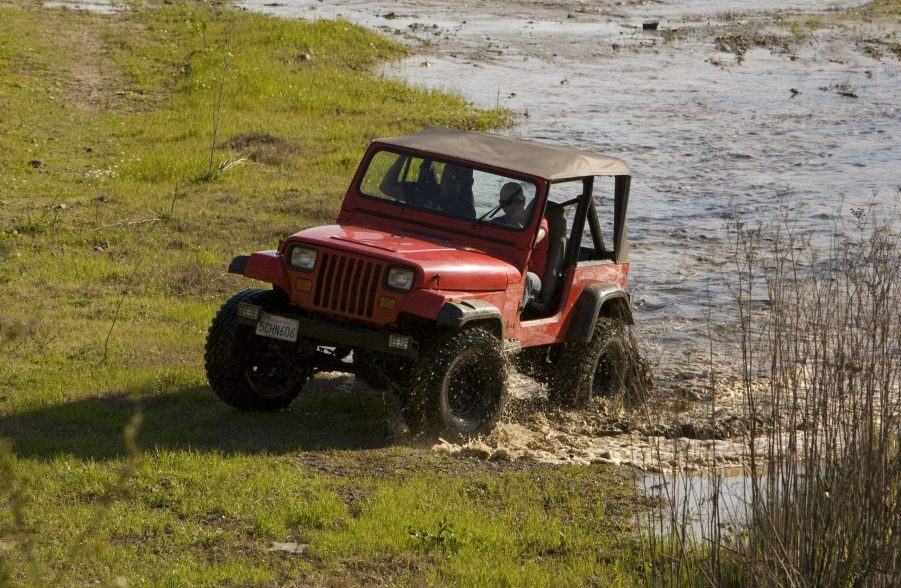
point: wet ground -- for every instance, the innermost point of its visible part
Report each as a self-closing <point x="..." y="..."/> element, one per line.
<point x="728" y="110"/>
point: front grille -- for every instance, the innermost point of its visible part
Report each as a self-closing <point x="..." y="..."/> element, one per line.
<point x="347" y="285"/>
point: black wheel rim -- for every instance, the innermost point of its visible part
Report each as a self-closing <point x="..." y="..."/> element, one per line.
<point x="608" y="374"/>
<point x="464" y="396"/>
<point x="269" y="375"/>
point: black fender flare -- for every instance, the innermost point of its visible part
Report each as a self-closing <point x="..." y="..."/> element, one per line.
<point x="457" y="314"/>
<point x="238" y="264"/>
<point x="594" y="301"/>
<point x="265" y="266"/>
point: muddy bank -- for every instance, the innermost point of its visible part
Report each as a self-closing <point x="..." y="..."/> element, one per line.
<point x="674" y="432"/>
<point x="698" y="425"/>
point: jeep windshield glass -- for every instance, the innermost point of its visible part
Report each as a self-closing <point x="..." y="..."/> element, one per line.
<point x="450" y="189"/>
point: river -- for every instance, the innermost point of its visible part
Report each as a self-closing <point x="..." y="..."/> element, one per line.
<point x="708" y="138"/>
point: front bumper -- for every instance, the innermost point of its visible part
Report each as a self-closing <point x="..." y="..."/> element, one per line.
<point x="329" y="334"/>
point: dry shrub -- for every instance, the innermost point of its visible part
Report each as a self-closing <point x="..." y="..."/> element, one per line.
<point x="199" y="280"/>
<point x="14" y="329"/>
<point x="830" y="514"/>
<point x="261" y="147"/>
<point x="823" y="499"/>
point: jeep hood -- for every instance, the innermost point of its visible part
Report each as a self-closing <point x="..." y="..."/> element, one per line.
<point x="442" y="264"/>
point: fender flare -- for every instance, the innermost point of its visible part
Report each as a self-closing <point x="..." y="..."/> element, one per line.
<point x="265" y="266"/>
<point x="238" y="264"/>
<point x="594" y="301"/>
<point x="457" y="314"/>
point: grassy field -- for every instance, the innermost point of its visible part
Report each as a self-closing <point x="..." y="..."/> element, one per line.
<point x="140" y="151"/>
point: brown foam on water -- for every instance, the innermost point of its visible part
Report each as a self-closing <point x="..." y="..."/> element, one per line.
<point x="688" y="424"/>
<point x="548" y="444"/>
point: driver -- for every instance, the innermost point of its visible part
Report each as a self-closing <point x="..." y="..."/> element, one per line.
<point x="513" y="202"/>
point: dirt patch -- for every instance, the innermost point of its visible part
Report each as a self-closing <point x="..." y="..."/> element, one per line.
<point x="92" y="75"/>
<point x="261" y="147"/>
<point x="199" y="280"/>
<point x="739" y="43"/>
<point x="400" y="465"/>
<point x="386" y="570"/>
<point x="93" y="82"/>
<point x="309" y="202"/>
<point x="879" y="47"/>
<point x="14" y="329"/>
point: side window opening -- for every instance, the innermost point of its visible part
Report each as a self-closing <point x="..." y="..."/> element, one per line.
<point x="566" y="196"/>
<point x="596" y="242"/>
<point x="549" y="258"/>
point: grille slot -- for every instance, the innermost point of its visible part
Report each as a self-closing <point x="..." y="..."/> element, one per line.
<point x="347" y="285"/>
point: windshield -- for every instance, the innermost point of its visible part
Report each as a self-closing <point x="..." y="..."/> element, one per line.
<point x="450" y="189"/>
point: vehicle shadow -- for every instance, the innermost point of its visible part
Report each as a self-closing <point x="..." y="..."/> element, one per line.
<point x="331" y="413"/>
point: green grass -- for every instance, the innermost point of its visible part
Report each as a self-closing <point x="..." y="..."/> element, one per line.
<point x="881" y="8"/>
<point x="801" y="29"/>
<point x="213" y="489"/>
<point x="118" y="215"/>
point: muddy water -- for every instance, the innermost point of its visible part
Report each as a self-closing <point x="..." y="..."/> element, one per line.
<point x="692" y="499"/>
<point x="811" y="126"/>
<point x="98" y="6"/>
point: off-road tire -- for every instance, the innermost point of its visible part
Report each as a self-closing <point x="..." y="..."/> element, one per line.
<point x="246" y="371"/>
<point x="608" y="366"/>
<point x="458" y="386"/>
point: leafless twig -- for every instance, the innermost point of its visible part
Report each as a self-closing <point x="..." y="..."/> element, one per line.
<point x="118" y="308"/>
<point x="128" y="223"/>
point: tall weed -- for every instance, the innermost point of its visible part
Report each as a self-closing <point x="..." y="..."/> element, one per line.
<point x="823" y="496"/>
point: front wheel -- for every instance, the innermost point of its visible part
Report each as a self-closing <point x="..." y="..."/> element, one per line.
<point x="609" y="366"/>
<point x="246" y="371"/>
<point x="459" y="386"/>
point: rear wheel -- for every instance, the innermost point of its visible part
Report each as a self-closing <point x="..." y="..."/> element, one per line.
<point x="246" y="371"/>
<point x="609" y="366"/>
<point x="459" y="385"/>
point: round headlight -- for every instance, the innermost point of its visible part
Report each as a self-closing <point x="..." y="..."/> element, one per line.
<point x="303" y="258"/>
<point x="400" y="278"/>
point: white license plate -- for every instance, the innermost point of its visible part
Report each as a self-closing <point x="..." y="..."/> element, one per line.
<point x="277" y="327"/>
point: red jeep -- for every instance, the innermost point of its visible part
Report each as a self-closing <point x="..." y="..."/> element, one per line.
<point x="453" y="252"/>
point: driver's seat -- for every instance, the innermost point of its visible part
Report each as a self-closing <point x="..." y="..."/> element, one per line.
<point x="543" y="302"/>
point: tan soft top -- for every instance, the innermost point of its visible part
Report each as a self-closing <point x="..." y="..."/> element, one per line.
<point x="551" y="162"/>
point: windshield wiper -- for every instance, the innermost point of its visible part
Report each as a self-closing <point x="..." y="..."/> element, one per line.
<point x="490" y="213"/>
